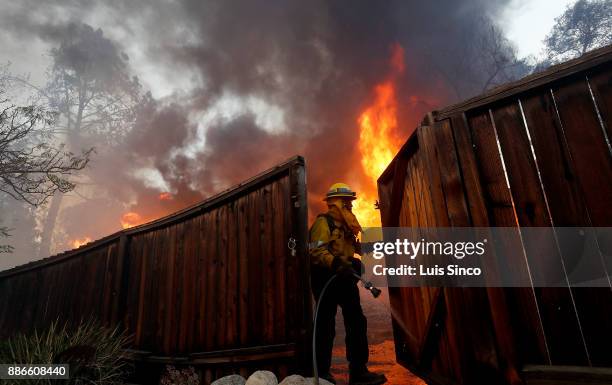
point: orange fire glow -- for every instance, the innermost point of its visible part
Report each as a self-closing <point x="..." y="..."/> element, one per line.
<point x="76" y="243"/>
<point x="130" y="219"/>
<point x="165" y="196"/>
<point x="379" y="140"/>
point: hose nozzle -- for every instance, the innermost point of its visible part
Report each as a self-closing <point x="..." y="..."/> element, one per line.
<point x="369" y="286"/>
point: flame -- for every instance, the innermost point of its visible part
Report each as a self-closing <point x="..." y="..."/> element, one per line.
<point x="76" y="243"/>
<point x="165" y="196"/>
<point x="130" y="219"/>
<point x="379" y="140"/>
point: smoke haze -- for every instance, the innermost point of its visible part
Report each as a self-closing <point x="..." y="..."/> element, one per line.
<point x="238" y="86"/>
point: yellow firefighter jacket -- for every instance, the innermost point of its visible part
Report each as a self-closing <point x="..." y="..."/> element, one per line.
<point x="327" y="243"/>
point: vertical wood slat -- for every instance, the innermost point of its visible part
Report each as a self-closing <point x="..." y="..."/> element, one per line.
<point x="221" y="324"/>
<point x="297" y="221"/>
<point x="473" y="356"/>
<point x="268" y="261"/>
<point x="243" y="274"/>
<point x="478" y="217"/>
<point x="497" y="196"/>
<point x="255" y="269"/>
<point x="203" y="263"/>
<point x="557" y="308"/>
<point x="434" y="141"/>
<point x="232" y="276"/>
<point x="588" y="146"/>
<point x="567" y="208"/>
<point x="600" y="83"/>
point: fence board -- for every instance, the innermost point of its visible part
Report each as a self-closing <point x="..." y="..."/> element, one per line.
<point x="588" y="148"/>
<point x="600" y="82"/>
<point x="557" y="308"/>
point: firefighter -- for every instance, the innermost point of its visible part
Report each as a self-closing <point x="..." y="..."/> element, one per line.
<point x="332" y="246"/>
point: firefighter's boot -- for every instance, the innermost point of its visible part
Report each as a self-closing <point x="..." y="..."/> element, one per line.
<point x="363" y="376"/>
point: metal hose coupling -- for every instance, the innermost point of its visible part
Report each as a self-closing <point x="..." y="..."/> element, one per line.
<point x="369" y="286"/>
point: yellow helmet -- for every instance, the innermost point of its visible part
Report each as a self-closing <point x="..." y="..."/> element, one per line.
<point x="340" y="190"/>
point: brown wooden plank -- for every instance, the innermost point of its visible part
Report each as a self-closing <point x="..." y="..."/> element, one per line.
<point x="100" y="296"/>
<point x="298" y="222"/>
<point x="120" y="283"/>
<point x="554" y="161"/>
<point x="232" y="276"/>
<point x="601" y="85"/>
<point x="179" y="288"/>
<point x="567" y="208"/>
<point x="557" y="308"/>
<point x="243" y="272"/>
<point x="450" y="174"/>
<point x="385" y="186"/>
<point x="477" y="211"/>
<point x="268" y="260"/>
<point x="498" y="313"/>
<point x="143" y="271"/>
<point x="530" y="340"/>
<point x="161" y="289"/>
<point x="255" y="270"/>
<point x="433" y="327"/>
<point x="192" y="287"/>
<point x="430" y="153"/>
<point x="399" y="176"/>
<point x="203" y="266"/>
<point x="149" y="296"/>
<point x="281" y="250"/>
<point x="222" y="263"/>
<point x="109" y="272"/>
<point x="466" y="307"/>
<point x="591" y="159"/>
<point x="294" y="296"/>
<point x="588" y="148"/>
<point x="211" y="279"/>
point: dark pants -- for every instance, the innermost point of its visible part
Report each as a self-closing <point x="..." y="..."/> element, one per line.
<point x="343" y="291"/>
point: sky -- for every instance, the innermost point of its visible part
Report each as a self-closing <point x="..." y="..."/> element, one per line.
<point x="527" y="22"/>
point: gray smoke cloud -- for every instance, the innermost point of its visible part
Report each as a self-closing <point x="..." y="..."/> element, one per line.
<point x="241" y="85"/>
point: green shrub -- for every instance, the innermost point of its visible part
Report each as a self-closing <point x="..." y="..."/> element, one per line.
<point x="93" y="352"/>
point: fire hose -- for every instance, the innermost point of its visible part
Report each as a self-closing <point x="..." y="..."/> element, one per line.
<point x="366" y="284"/>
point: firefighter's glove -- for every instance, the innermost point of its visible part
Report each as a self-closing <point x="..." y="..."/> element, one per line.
<point x="342" y="267"/>
<point x="357" y="265"/>
<point x="358" y="248"/>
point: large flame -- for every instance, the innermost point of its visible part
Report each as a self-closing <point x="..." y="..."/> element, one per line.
<point x="130" y="219"/>
<point x="379" y="140"/>
<point x="76" y="243"/>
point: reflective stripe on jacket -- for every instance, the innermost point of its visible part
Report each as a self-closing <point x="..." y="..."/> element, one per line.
<point x="325" y="245"/>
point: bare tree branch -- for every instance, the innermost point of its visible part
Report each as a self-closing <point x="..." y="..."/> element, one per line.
<point x="32" y="169"/>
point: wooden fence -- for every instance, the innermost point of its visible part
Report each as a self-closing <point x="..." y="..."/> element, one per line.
<point x="214" y="285"/>
<point x="532" y="153"/>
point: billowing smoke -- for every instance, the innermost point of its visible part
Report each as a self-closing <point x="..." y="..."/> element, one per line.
<point x="239" y="86"/>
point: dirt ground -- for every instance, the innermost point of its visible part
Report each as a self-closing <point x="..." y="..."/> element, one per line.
<point x="380" y="338"/>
